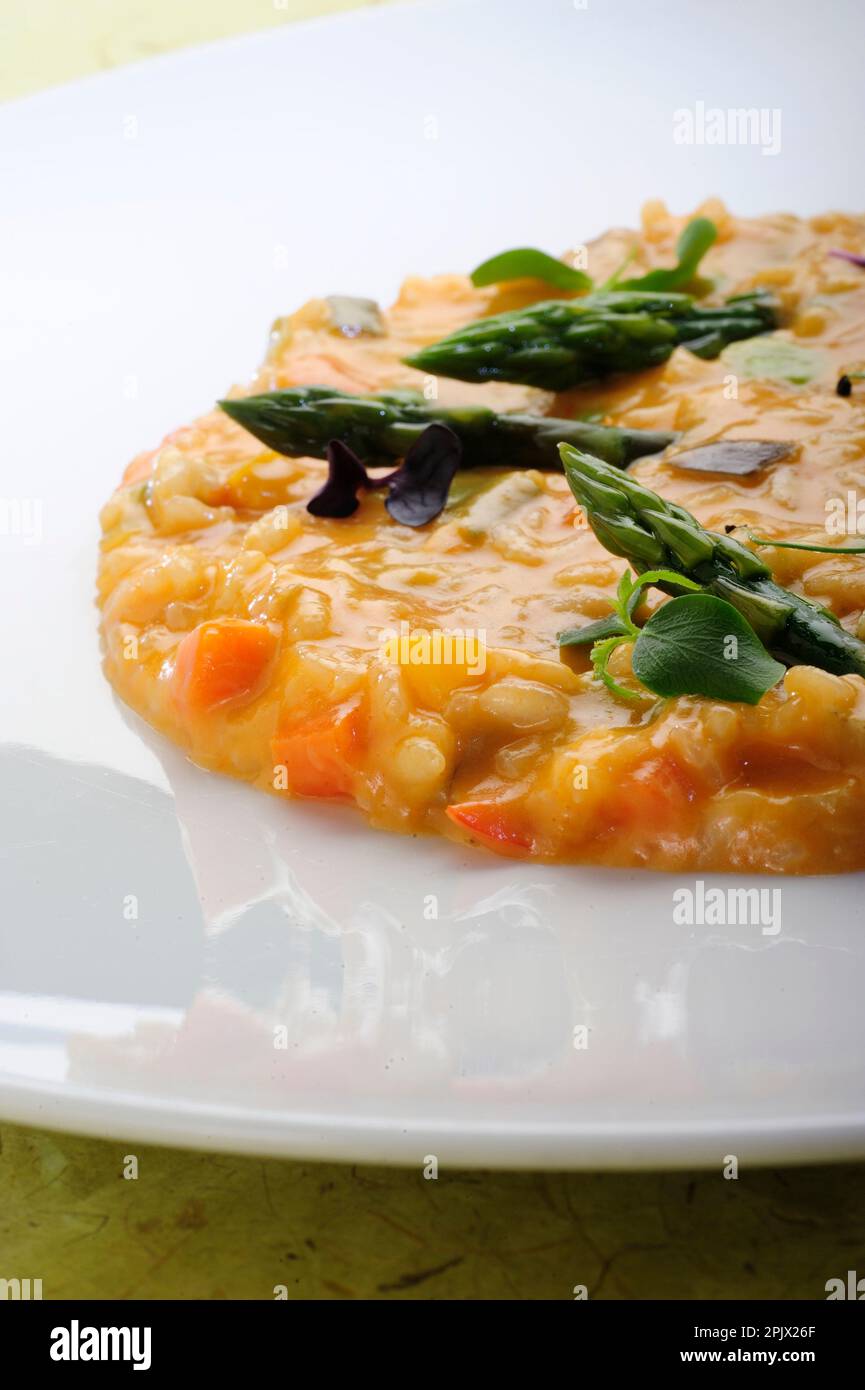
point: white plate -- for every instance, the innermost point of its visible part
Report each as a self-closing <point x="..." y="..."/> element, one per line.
<point x="154" y="220"/>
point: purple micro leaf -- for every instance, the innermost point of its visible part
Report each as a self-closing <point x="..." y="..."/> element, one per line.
<point x="345" y="474"/>
<point x="418" y="491"/>
<point x="849" y="256"/>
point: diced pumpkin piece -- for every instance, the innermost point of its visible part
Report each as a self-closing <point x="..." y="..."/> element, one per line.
<point x="430" y="675"/>
<point x="496" y="824"/>
<point x="222" y="663"/>
<point x="319" y="756"/>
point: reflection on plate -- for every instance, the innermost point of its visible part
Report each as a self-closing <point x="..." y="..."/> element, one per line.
<point x="231" y="983"/>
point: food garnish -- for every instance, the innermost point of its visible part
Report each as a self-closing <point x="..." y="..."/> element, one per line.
<point x="526" y="262"/>
<point x="417" y="490"/>
<point x="353" y="316"/>
<point x="345" y="476"/>
<point x="301" y="422"/>
<point x="802" y="545"/>
<point x="735" y="457"/>
<point x="696" y="238"/>
<point x="563" y="343"/>
<point x="653" y="534"/>
<point x="699" y="644"/>
<point x="848" y="256"/>
<point x="681" y="649"/>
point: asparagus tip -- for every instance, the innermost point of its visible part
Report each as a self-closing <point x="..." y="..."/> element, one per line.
<point x="417" y="359"/>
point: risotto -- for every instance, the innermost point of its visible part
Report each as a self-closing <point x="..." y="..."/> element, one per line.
<point x="414" y="669"/>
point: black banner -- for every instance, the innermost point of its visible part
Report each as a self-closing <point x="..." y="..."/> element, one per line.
<point x="80" y="1338"/>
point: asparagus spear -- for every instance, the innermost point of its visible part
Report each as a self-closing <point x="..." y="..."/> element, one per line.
<point x="566" y="342"/>
<point x="302" y="421"/>
<point x="652" y="533"/>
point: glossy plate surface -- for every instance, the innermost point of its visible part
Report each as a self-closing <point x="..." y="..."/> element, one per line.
<point x="184" y="960"/>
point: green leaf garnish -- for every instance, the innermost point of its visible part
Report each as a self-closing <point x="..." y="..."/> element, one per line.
<point x="660" y="577"/>
<point x="611" y="626"/>
<point x="803" y="545"/>
<point x="693" y="243"/>
<point x="697" y="644"/>
<point x="616" y="277"/>
<point x="644" y="528"/>
<point x="601" y="653"/>
<point x="700" y="645"/>
<point x="609" y="633"/>
<point x="526" y="262"/>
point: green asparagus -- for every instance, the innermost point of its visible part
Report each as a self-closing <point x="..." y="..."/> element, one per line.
<point x="379" y="429"/>
<point x="564" y="343"/>
<point x="652" y="533"/>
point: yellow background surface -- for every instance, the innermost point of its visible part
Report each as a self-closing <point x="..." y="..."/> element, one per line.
<point x="204" y="1226"/>
<point x="43" y="42"/>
